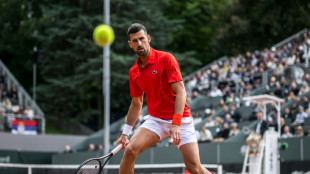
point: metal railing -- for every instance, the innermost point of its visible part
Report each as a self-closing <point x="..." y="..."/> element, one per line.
<point x="222" y="59"/>
<point x="7" y="119"/>
<point x="217" y="167"/>
<point x="289" y="38"/>
<point x="23" y="96"/>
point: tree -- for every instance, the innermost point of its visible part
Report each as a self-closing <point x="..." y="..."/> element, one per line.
<point x="254" y="25"/>
<point x="18" y="20"/>
<point x="72" y="68"/>
<point x="199" y="23"/>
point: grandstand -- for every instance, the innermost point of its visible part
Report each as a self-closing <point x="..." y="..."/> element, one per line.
<point x="17" y="107"/>
<point x="215" y="91"/>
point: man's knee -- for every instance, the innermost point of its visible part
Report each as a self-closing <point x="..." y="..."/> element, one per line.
<point x="131" y="152"/>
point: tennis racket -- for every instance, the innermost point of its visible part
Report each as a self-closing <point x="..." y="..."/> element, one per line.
<point x="93" y="165"/>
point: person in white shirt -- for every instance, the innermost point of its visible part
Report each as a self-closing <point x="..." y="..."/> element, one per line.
<point x="286" y="132"/>
<point x="205" y="135"/>
<point x="210" y="122"/>
<point x="300" y="117"/>
<point x="29" y="112"/>
<point x="216" y="92"/>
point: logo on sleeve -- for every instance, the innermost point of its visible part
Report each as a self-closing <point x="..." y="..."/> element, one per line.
<point x="154" y="72"/>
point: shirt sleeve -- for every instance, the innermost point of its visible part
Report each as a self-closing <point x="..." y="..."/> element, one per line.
<point x="172" y="69"/>
<point x="135" y="90"/>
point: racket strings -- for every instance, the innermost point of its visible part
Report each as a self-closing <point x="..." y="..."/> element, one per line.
<point x="91" y="167"/>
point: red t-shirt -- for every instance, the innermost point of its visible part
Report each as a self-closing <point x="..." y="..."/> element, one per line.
<point x="154" y="80"/>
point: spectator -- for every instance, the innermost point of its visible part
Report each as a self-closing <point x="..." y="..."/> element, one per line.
<point x="225" y="111"/>
<point x="235" y="115"/>
<point x="288" y="115"/>
<point x="218" y="121"/>
<point x="307" y="78"/>
<point x="299" y="132"/>
<point x="300" y="117"/>
<point x="7" y="104"/>
<point x="210" y="122"/>
<point x="255" y="137"/>
<point x="14" y="100"/>
<point x="285" y="86"/>
<point x="267" y="90"/>
<point x="100" y="147"/>
<point x="242" y="88"/>
<point x="197" y="118"/>
<point x="230" y="98"/>
<point x="273" y="82"/>
<point x="195" y="94"/>
<point x="21" y="111"/>
<point x="222" y="134"/>
<point x="29" y="112"/>
<point x="3" y="92"/>
<point x="222" y="104"/>
<point x="228" y="119"/>
<point x="278" y="91"/>
<point x="13" y="91"/>
<point x="286" y="132"/>
<point x="205" y="135"/>
<point x="67" y="149"/>
<point x="305" y="102"/>
<point x="237" y="104"/>
<point x="282" y="124"/>
<point x="216" y="92"/>
<point x="208" y="112"/>
<point x="91" y="147"/>
<point x="279" y="70"/>
<point x="234" y="130"/>
<point x="295" y="106"/>
<point x="294" y="88"/>
<point x="304" y="88"/>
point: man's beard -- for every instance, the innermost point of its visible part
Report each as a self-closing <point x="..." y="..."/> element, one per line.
<point x="143" y="53"/>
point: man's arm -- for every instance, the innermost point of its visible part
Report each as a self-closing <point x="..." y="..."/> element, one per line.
<point x="180" y="99"/>
<point x="132" y="116"/>
<point x="134" y="110"/>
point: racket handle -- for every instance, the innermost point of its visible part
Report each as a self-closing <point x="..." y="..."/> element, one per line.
<point x="117" y="149"/>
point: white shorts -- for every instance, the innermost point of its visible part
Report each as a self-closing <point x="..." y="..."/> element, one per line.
<point x="161" y="128"/>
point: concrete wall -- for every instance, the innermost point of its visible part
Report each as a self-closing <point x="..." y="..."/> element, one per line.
<point x="37" y="143"/>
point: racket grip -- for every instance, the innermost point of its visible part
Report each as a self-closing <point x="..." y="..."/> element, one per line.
<point x="117" y="149"/>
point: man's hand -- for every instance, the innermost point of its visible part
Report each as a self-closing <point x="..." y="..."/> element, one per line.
<point x="175" y="134"/>
<point x="123" y="140"/>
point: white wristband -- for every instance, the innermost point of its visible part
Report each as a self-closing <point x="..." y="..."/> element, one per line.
<point x="127" y="129"/>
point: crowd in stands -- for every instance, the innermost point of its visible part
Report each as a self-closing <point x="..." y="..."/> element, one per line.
<point x="240" y="76"/>
<point x="237" y="77"/>
<point x="10" y="109"/>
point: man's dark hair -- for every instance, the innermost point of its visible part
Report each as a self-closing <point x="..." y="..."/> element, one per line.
<point x="136" y="27"/>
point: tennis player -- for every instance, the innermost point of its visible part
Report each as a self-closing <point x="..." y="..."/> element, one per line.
<point x="157" y="75"/>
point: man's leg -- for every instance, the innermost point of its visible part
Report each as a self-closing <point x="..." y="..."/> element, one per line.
<point x="139" y="142"/>
<point x="191" y="159"/>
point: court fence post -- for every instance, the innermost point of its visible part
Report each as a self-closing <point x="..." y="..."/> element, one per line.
<point x="219" y="169"/>
<point x="29" y="170"/>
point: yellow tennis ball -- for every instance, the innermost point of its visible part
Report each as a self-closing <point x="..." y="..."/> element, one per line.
<point x="103" y="34"/>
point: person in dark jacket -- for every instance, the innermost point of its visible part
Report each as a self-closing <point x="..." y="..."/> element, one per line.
<point x="259" y="130"/>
